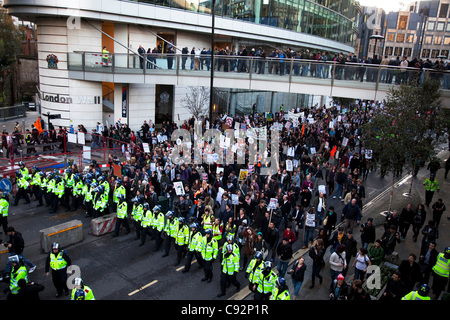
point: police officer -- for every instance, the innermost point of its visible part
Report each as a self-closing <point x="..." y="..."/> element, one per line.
<point x="68" y="184"/>
<point x="100" y="202"/>
<point x="158" y="227"/>
<point x="265" y="283"/>
<point x="88" y="195"/>
<point x="18" y="271"/>
<point x="81" y="291"/>
<point x="121" y="216"/>
<point x="4" y="210"/>
<point x="209" y="251"/>
<point x="58" y="260"/>
<point x="421" y="294"/>
<point x="193" y="247"/>
<point x="281" y="291"/>
<point x="254" y="268"/>
<point x="77" y="192"/>
<point x="22" y="185"/>
<point x="169" y="231"/>
<point x="181" y="237"/>
<point x="58" y="195"/>
<point x="136" y="215"/>
<point x="147" y="217"/>
<point x="440" y="272"/>
<point x="35" y="184"/>
<point x="230" y="268"/>
<point x="24" y="170"/>
<point x="119" y="189"/>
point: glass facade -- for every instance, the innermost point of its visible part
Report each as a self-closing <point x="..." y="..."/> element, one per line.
<point x="330" y="19"/>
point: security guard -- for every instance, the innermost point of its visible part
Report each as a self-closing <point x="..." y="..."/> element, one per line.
<point x="421" y="294"/>
<point x="193" y="247"/>
<point x="209" y="251"/>
<point x="35" y="184"/>
<point x="159" y="226"/>
<point x="136" y="214"/>
<point x="77" y="192"/>
<point x="230" y="268"/>
<point x="22" y="184"/>
<point x="81" y="291"/>
<point x="207" y="218"/>
<point x="121" y="216"/>
<point x="169" y="231"/>
<point x="4" y="210"/>
<point x="146" y="221"/>
<point x="217" y="229"/>
<point x="431" y="185"/>
<point x="281" y="291"/>
<point x="58" y="260"/>
<point x="265" y="283"/>
<point x="254" y="268"/>
<point x="181" y="237"/>
<point x="19" y="271"/>
<point x="440" y="272"/>
<point x="119" y="189"/>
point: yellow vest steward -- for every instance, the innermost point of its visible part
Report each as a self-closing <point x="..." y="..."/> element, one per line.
<point x="442" y="266"/>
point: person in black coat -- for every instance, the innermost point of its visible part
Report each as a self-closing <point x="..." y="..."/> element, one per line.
<point x="368" y="233"/>
<point x="330" y="220"/>
<point x="395" y="288"/>
<point x="28" y="291"/>
<point x="410" y="270"/>
<point x="427" y="260"/>
<point x="351" y="249"/>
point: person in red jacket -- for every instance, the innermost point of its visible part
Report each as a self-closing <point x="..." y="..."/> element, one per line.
<point x="288" y="233"/>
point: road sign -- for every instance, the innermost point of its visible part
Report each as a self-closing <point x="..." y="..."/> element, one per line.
<point x="6" y="185"/>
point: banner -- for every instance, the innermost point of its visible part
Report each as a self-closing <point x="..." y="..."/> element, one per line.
<point x="124" y="101"/>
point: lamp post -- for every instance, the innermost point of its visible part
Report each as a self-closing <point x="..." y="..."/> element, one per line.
<point x="211" y="92"/>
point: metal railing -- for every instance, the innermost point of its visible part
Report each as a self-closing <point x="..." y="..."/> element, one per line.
<point x="18" y="111"/>
<point x="256" y="68"/>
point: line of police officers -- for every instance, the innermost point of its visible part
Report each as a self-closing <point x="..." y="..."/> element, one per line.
<point x="191" y="239"/>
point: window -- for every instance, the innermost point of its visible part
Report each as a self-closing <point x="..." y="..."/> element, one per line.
<point x="402" y="22"/>
<point x="434" y="53"/>
<point x="437" y="40"/>
<point x="388" y="51"/>
<point x="444" y="53"/>
<point x="448" y="27"/>
<point x="446" y="41"/>
<point x="428" y="39"/>
<point x="430" y="26"/>
<point x="443" y="11"/>
<point x="440" y="26"/>
<point x="407" y="52"/>
<point x="409" y="38"/>
<point x="390" y="37"/>
<point x="425" y="53"/>
<point x="398" y="51"/>
<point x="400" y="37"/>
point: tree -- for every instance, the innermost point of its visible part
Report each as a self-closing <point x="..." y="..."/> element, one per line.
<point x="399" y="134"/>
<point x="197" y="101"/>
<point x="10" y="37"/>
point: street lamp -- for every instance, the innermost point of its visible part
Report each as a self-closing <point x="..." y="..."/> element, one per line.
<point x="376" y="37"/>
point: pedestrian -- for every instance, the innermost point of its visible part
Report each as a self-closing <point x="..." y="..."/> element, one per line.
<point x="339" y="288"/>
<point x="317" y="252"/>
<point x="284" y="252"/>
<point x="28" y="291"/>
<point x="337" y="262"/>
<point x="351" y="249"/>
<point x="15" y="246"/>
<point x="431" y="185"/>
<point x="329" y="222"/>
<point x="281" y="291"/>
<point x="410" y="271"/>
<point x="78" y="285"/>
<point x="438" y="209"/>
<point x="361" y="263"/>
<point x="389" y="239"/>
<point x="376" y="253"/>
<point x="352" y="215"/>
<point x="272" y="236"/>
<point x="430" y="234"/>
<point x="368" y="233"/>
<point x="427" y="260"/>
<point x="357" y="292"/>
<point x="405" y="220"/>
<point x="418" y="221"/>
<point x="121" y="217"/>
<point x="58" y="260"/>
<point x="230" y="268"/>
<point x="395" y="288"/>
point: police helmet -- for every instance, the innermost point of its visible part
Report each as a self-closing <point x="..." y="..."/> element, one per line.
<point x="78" y="281"/>
<point x="259" y="255"/>
<point x="281" y="282"/>
<point x="18" y="174"/>
<point x="229" y="247"/>
<point x="35" y="168"/>
<point x="230" y="237"/>
<point x="169" y="213"/>
<point x="424" y="290"/>
<point x="14" y="259"/>
<point x="55" y="245"/>
<point x="208" y="231"/>
<point x="182" y="220"/>
<point x="121" y="197"/>
<point x="194" y="225"/>
<point x="68" y="171"/>
<point x="21" y="164"/>
<point x="157" y="208"/>
<point x="119" y="181"/>
<point x="146" y="205"/>
<point x="79" y="295"/>
<point x="268" y="265"/>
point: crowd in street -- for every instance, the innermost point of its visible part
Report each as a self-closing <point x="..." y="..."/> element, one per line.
<point x="249" y="223"/>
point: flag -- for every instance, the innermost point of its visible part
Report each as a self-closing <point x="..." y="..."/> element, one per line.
<point x="333" y="151"/>
<point x="303" y="130"/>
<point x="38" y="126"/>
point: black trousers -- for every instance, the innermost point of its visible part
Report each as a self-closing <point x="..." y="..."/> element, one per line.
<point x="121" y="222"/>
<point x="158" y="239"/>
<point x="189" y="256"/>
<point x="226" y="278"/>
<point x="37" y="194"/>
<point x="208" y="269"/>
<point x="180" y="251"/>
<point x="167" y="244"/>
<point x="56" y="201"/>
<point x="21" y="193"/>
<point x="59" y="278"/>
